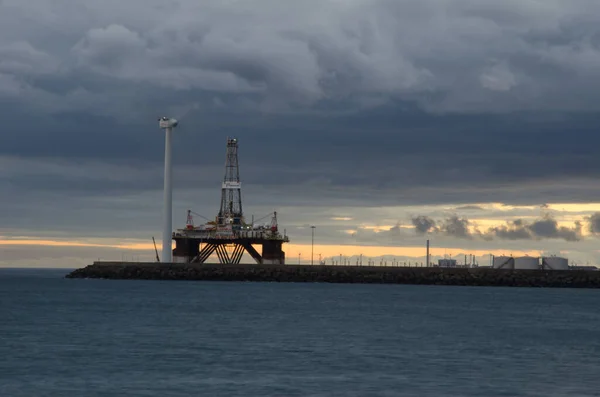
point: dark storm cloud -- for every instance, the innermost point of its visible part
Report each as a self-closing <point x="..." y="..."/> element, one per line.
<point x="337" y="103"/>
<point x="363" y="53"/>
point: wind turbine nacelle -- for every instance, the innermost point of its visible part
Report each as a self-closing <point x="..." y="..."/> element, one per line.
<point x="165" y="122"/>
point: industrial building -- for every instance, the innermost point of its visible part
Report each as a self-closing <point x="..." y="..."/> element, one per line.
<point x="446" y="262"/>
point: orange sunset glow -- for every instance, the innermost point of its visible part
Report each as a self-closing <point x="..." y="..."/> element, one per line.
<point x="292" y="250"/>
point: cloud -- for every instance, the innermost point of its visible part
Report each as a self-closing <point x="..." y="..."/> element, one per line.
<point x="424" y="224"/>
<point x="470" y="207"/>
<point x="341" y="218"/>
<point x="108" y="49"/>
<point x="359" y="109"/>
<point x="518" y="229"/>
<point x="546" y="228"/>
<point x="498" y="78"/>
<point x="452" y="226"/>
<point x="21" y="58"/>
<point x="469" y="58"/>
<point x="594" y="223"/>
<point x="456" y="227"/>
<point x="378" y="235"/>
<point x="513" y="230"/>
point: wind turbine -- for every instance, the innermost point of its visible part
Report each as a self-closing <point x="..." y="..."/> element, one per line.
<point x="167" y="124"/>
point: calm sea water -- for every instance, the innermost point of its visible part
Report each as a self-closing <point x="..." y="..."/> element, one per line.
<point x="62" y="337"/>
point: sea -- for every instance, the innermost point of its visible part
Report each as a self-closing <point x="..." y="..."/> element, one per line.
<point x="76" y="337"/>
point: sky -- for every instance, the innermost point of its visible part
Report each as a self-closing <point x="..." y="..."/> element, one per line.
<point x="384" y="123"/>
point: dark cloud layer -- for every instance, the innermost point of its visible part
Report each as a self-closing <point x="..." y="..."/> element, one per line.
<point x="368" y="94"/>
<point x="354" y="104"/>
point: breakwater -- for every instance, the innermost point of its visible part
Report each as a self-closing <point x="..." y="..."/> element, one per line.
<point x="340" y="274"/>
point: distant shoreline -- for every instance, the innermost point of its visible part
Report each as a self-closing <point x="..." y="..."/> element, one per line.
<point x="340" y="274"/>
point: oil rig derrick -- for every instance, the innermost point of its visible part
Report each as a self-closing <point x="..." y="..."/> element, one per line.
<point x="229" y="236"/>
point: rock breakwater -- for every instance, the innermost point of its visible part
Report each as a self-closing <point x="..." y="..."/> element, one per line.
<point x="340" y="274"/>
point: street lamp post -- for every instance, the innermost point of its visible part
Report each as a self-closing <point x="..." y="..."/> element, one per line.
<point x="312" y="245"/>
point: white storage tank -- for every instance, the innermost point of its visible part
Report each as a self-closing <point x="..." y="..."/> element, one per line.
<point x="527" y="263"/>
<point x="503" y="262"/>
<point x="555" y="263"/>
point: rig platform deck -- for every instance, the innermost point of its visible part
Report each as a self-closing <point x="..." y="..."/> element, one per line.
<point x="229" y="245"/>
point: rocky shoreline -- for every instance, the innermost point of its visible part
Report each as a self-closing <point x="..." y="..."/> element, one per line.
<point x="340" y="274"/>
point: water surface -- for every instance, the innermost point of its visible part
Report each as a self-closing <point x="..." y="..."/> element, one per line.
<point x="63" y="337"/>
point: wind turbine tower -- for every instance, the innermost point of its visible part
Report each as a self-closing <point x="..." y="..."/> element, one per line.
<point x="167" y="124"/>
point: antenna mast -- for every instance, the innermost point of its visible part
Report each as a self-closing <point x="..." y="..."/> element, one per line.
<point x="231" y="192"/>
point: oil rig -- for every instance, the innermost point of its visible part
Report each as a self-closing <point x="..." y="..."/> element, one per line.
<point x="229" y="236"/>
